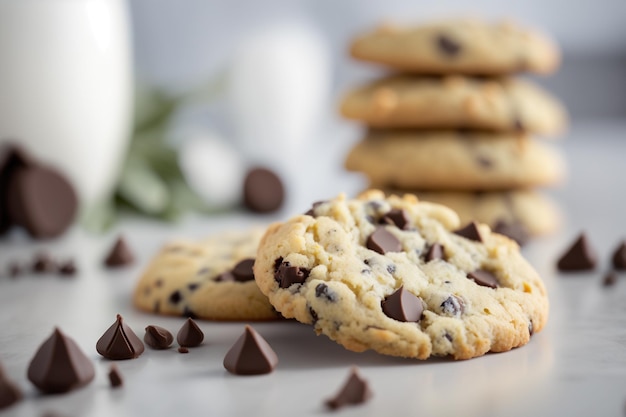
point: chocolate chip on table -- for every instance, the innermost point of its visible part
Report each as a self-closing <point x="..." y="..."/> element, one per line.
<point x="322" y="290"/>
<point x="59" y="365"/>
<point x="447" y="45"/>
<point x="119" y="342"/>
<point x="619" y="257"/>
<point x="382" y="241"/>
<point x="250" y="355"/>
<point x="120" y="254"/>
<point x="263" y="191"/>
<point x="580" y="256"/>
<point x="42" y="201"/>
<point x="287" y="275"/>
<point x="483" y="278"/>
<point x="183" y="349"/>
<point x="115" y="377"/>
<point x="609" y="279"/>
<point x="67" y="268"/>
<point x="435" y="251"/>
<point x="403" y="305"/>
<point x="243" y="271"/>
<point x="43" y="263"/>
<point x="158" y="337"/>
<point x="470" y="232"/>
<point x="189" y="334"/>
<point x="396" y="217"/>
<point x="514" y="230"/>
<point x="9" y="392"/>
<point x="355" y="390"/>
<point x="452" y="306"/>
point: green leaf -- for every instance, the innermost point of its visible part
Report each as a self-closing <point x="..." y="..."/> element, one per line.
<point x="142" y="188"/>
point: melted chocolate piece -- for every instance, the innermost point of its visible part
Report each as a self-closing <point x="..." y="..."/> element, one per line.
<point x="120" y="254"/>
<point x="579" y="257"/>
<point x="355" y="391"/>
<point x="119" y="342"/>
<point x="115" y="377"/>
<point x="483" y="278"/>
<point x="382" y="241"/>
<point x="263" y="191"/>
<point x="452" y="306"/>
<point x="243" y="270"/>
<point x="435" y="251"/>
<point x="470" y="232"/>
<point x="158" y="337"/>
<point x="9" y="392"/>
<point x="448" y="46"/>
<point x="322" y="290"/>
<point x="189" y="334"/>
<point x="402" y="305"/>
<point x="287" y="275"/>
<point x="619" y="257"/>
<point x="60" y="365"/>
<point x="250" y="355"/>
<point x="396" y="217"/>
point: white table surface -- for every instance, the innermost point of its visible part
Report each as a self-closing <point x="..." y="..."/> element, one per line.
<point x="575" y="367"/>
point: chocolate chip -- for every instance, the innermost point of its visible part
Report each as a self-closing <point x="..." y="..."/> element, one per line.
<point x="60" y="365"/>
<point x="609" y="279"/>
<point x="243" y="270"/>
<point x="115" y="377"/>
<point x="311" y="211"/>
<point x="448" y="337"/>
<point x="579" y="257"/>
<point x="44" y="264"/>
<point x="158" y="337"/>
<point x="483" y="278"/>
<point x="119" y="342"/>
<point x="183" y="349"/>
<point x="189" y="334"/>
<point x="435" y="251"/>
<point x="175" y="297"/>
<point x="514" y="230"/>
<point x="531" y="328"/>
<point x="396" y="217"/>
<point x="224" y="277"/>
<point x="263" y="191"/>
<point x="391" y="269"/>
<point x="403" y="306"/>
<point x="452" y="306"/>
<point x="470" y="232"/>
<point x="193" y="286"/>
<point x="322" y="290"/>
<point x="314" y="316"/>
<point x="42" y="201"/>
<point x="619" y="257"/>
<point x="120" y="254"/>
<point x="250" y="355"/>
<point x="67" y="268"/>
<point x="447" y="45"/>
<point x="287" y="275"/>
<point x="9" y="392"/>
<point x="382" y="241"/>
<point x="354" y="391"/>
<point x="187" y="312"/>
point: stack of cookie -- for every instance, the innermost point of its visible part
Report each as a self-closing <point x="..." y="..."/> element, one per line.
<point x="454" y="126"/>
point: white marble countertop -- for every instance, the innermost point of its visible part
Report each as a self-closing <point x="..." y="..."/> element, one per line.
<point x="575" y="367"/>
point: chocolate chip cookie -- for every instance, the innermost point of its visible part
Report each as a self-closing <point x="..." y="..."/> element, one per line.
<point x="401" y="277"/>
<point x="500" y="104"/>
<point x="209" y="279"/>
<point x="464" y="46"/>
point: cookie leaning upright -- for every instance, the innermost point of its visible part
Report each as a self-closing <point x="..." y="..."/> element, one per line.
<point x="208" y="279"/>
<point x="357" y="269"/>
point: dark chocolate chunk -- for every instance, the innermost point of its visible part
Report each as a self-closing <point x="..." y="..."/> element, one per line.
<point x="115" y="377"/>
<point x="225" y="277"/>
<point x="311" y="211"/>
<point x="287" y="275"/>
<point x="250" y="355"/>
<point x="609" y="279"/>
<point x="189" y="334"/>
<point x="579" y="257"/>
<point x="402" y="305"/>
<point x="382" y="241"/>
<point x="483" y="278"/>
<point x="243" y="270"/>
<point x="120" y="254"/>
<point x="175" y="297"/>
<point x="448" y="46"/>
<point x="60" y="365"/>
<point x="448" y="337"/>
<point x="435" y="251"/>
<point x="513" y="230"/>
<point x="470" y="232"/>
<point x="119" y="342"/>
<point x="12" y="159"/>
<point x="67" y="268"/>
<point x="314" y="317"/>
<point x="619" y="257"/>
<point x="157" y="337"/>
<point x="396" y="217"/>
<point x="322" y="290"/>
<point x="183" y="349"/>
<point x="42" y="201"/>
<point x="263" y="191"/>
<point x="452" y="306"/>
<point x="355" y="391"/>
<point x="43" y="263"/>
<point x="9" y="392"/>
